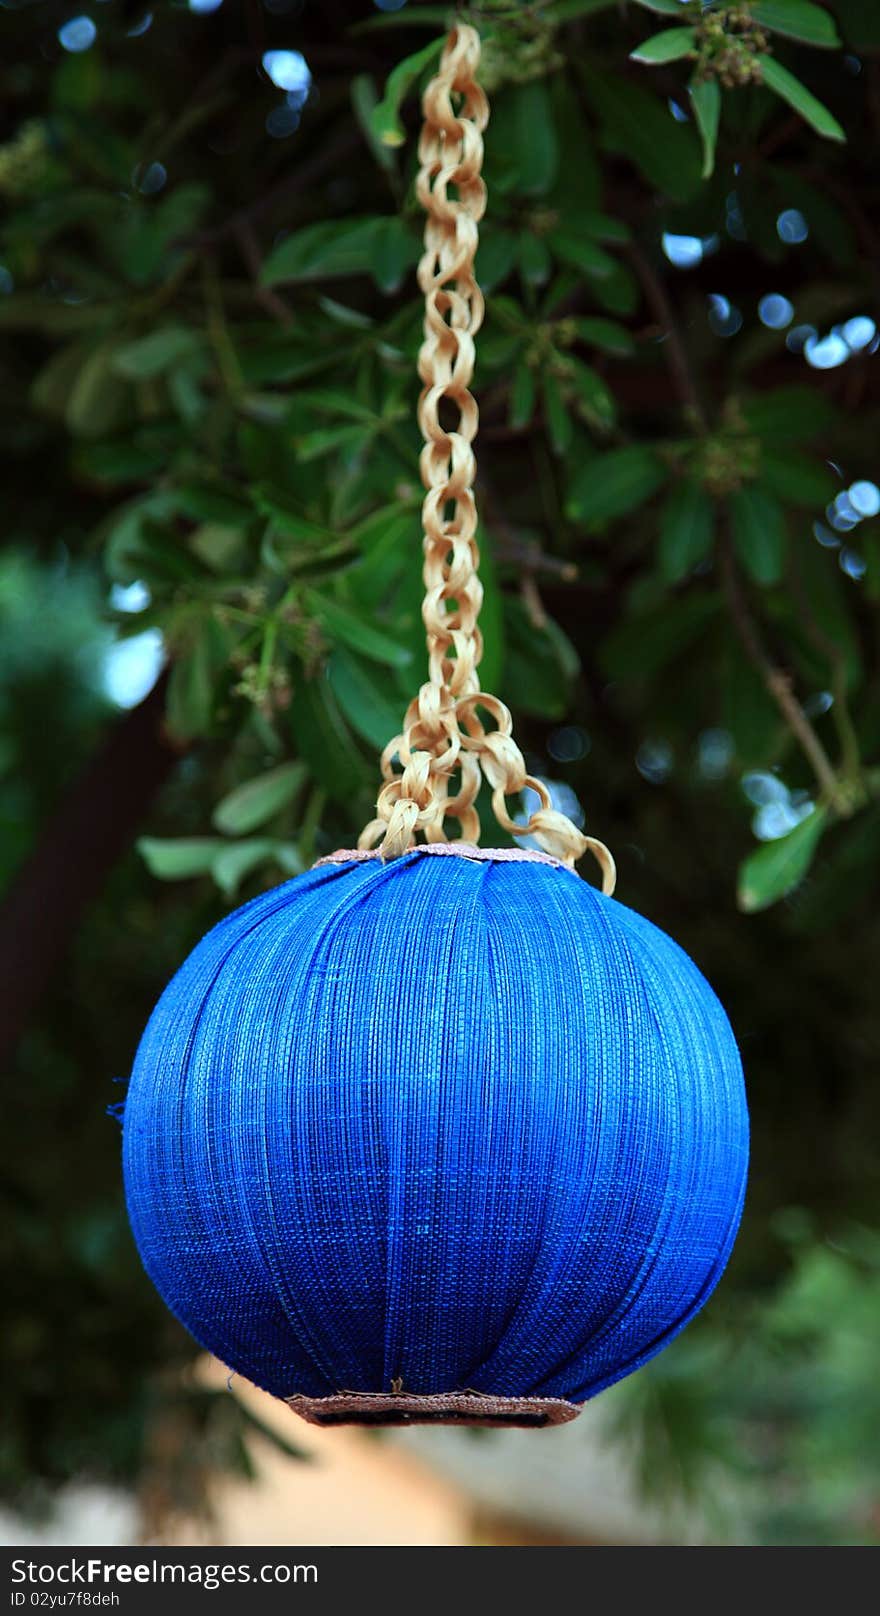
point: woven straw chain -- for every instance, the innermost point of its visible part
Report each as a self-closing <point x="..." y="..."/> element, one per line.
<point x="443" y="730"/>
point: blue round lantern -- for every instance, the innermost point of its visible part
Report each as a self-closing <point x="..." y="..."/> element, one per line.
<point x="424" y="1137"/>
<point x="441" y="1138"/>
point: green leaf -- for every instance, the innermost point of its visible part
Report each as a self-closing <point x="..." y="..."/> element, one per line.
<point x="329" y="248"/>
<point x="221" y="548"/>
<point x="620" y="293"/>
<point x="706" y="104"/>
<point x="637" y="123"/>
<point x="669" y="46"/>
<point x="539" y="665"/>
<point x="365" y="101"/>
<point x="604" y="227"/>
<point x="356" y="632"/>
<point x="136" y="546"/>
<point x="849" y="866"/>
<point x="594" y="398"/>
<point x="640" y="647"/>
<point x="314" y="445"/>
<point x="686" y="530"/>
<point x="221" y="503"/>
<point x="607" y="335"/>
<point x="122" y="460"/>
<point x="284" y="513"/>
<point x="798" y="20"/>
<point x="152" y="355"/>
<point x="385" y="120"/>
<point x="341" y="314"/>
<point x="191" y="686"/>
<point x="98" y="397"/>
<point x="496" y="257"/>
<point x="537" y="145"/>
<point x="522" y="396"/>
<point x="253" y="803"/>
<point x="784" y="84"/>
<point x="181" y="212"/>
<point x="534" y="259"/>
<point x="395" y="523"/>
<point x="759" y="534"/>
<point x="239" y="859"/>
<point x="190" y="697"/>
<point x="186" y="394"/>
<point x="663" y="8"/>
<point x="333" y="401"/>
<point x="180" y="859"/>
<point x="77" y="83"/>
<point x="613" y="484"/>
<point x="797" y="479"/>
<point x="522" y="150"/>
<point x="573" y="247"/>
<point x="372" y="709"/>
<point x="396" y="251"/>
<point x="558" y="420"/>
<point x="322" y="736"/>
<point x="54" y="382"/>
<point x="577" y="187"/>
<point x="777" y="867"/>
<point x="789" y="412"/>
<point x="389" y="540"/>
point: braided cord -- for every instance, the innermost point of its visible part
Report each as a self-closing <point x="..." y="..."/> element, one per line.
<point x="445" y="745"/>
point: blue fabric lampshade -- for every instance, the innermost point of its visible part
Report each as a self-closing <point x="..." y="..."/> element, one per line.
<point x="443" y="1137"/>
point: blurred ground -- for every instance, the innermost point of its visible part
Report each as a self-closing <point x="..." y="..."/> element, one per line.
<point x="356" y="1489"/>
<point x="420" y="1487"/>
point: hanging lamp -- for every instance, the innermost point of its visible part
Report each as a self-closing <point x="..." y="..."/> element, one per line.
<point x="435" y="1132"/>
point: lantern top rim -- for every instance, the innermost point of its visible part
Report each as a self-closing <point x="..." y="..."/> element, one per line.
<point x="458" y="849"/>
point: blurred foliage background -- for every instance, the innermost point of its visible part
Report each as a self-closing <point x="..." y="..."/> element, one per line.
<point x="209" y="614"/>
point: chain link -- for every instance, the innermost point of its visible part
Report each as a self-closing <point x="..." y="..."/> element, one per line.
<point x="445" y="746"/>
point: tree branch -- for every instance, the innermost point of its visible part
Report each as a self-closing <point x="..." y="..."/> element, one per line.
<point x="269" y="299"/>
<point x="329" y="156"/>
<point x="850" y="752"/>
<point x="94" y="825"/>
<point x="674" y="349"/>
<point x="525" y="553"/>
<point x="778" y="682"/>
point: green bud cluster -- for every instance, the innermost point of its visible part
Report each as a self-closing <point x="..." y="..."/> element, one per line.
<point x="519" y="47"/>
<point x="725" y="464"/>
<point x="730" y="45"/>
<point x="269" y="693"/>
<point x="23" y="160"/>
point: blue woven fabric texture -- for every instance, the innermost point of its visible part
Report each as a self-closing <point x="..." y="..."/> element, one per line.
<point x="454" y="1123"/>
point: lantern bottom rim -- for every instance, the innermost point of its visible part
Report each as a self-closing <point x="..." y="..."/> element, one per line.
<point x="440" y="1408"/>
